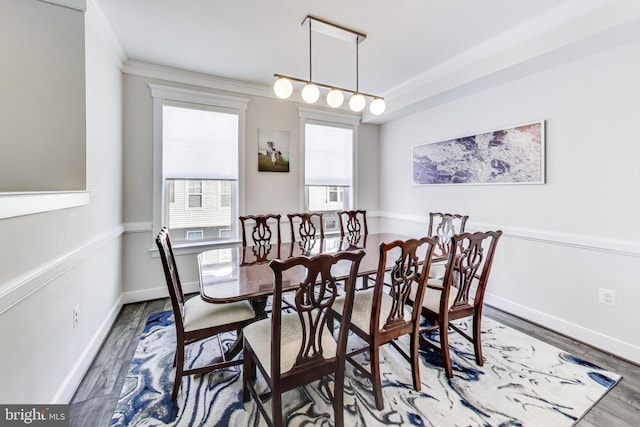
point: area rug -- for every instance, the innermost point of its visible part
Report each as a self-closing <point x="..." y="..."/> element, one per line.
<point x="524" y="382"/>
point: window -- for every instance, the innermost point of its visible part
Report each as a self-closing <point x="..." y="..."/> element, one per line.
<point x="224" y="194"/>
<point x="335" y="194"/>
<point x="329" y="165"/>
<point x="198" y="138"/>
<point x="194" y="194"/>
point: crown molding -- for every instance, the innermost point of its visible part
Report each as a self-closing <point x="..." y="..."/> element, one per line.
<point x="72" y="4"/>
<point x="176" y="75"/>
<point x="526" y="48"/>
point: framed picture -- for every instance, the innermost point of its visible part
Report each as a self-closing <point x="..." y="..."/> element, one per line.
<point x="273" y="150"/>
<point x="513" y="155"/>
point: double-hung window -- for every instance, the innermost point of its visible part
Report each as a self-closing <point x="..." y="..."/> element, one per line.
<point x="197" y="146"/>
<point x="329" y="163"/>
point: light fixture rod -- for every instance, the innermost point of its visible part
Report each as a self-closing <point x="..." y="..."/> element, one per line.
<point x="327" y="86"/>
<point x="357" y="67"/>
<point x="310" y="52"/>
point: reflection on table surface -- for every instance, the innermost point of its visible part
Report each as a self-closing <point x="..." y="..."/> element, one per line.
<point x="243" y="272"/>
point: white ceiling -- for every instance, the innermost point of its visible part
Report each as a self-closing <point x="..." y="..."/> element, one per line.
<point x="250" y="40"/>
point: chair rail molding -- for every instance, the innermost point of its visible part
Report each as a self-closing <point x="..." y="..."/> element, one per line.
<point x="619" y="247"/>
<point x="21" y="287"/>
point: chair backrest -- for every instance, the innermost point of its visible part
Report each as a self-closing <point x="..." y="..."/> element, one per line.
<point x="353" y="223"/>
<point x="163" y="241"/>
<point x="407" y="279"/>
<point x="313" y="300"/>
<point x="468" y="268"/>
<point x="306" y="226"/>
<point x="262" y="233"/>
<point x="445" y="225"/>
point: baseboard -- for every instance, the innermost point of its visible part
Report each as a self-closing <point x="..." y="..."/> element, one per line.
<point x="595" y="339"/>
<point x="74" y="378"/>
<point x="156" y="293"/>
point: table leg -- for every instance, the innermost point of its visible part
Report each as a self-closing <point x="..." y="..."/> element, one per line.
<point x="259" y="306"/>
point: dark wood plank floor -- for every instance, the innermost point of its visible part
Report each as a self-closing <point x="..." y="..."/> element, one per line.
<point x="96" y="397"/>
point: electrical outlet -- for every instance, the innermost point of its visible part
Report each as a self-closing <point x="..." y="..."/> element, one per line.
<point x="76" y="315"/>
<point x="607" y="296"/>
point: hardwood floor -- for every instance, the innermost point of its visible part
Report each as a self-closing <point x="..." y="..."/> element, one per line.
<point x="96" y="397"/>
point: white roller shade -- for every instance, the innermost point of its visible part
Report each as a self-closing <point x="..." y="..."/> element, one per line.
<point x="328" y="155"/>
<point x="199" y="143"/>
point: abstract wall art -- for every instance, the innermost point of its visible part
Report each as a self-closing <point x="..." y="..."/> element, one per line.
<point x="513" y="155"/>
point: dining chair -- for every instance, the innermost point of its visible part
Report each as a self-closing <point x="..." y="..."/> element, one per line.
<point x="444" y="225"/>
<point x="261" y="233"/>
<point x="380" y="314"/>
<point x="307" y="233"/>
<point x="296" y="348"/>
<point x="353" y="223"/>
<point x="306" y="226"/>
<point x="353" y="232"/>
<point x="460" y="294"/>
<point x="196" y="319"/>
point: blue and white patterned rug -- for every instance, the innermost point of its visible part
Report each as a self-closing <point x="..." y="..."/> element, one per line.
<point x="524" y="382"/>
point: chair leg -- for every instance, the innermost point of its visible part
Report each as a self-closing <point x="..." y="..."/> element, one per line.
<point x="246" y="375"/>
<point x="276" y="402"/>
<point x="375" y="376"/>
<point x="338" y="399"/>
<point x="444" y="348"/>
<point x="415" y="361"/>
<point x="477" y="342"/>
<point x="179" y="361"/>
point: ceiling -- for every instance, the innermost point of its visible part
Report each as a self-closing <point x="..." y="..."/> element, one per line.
<point x="250" y="40"/>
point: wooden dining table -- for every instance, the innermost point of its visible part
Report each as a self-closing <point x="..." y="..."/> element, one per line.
<point x="243" y="272"/>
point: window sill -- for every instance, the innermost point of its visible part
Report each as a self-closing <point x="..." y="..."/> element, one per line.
<point x="196" y="248"/>
<point x="19" y="204"/>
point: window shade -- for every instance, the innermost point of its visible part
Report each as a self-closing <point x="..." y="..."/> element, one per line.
<point x="328" y="155"/>
<point x="199" y="144"/>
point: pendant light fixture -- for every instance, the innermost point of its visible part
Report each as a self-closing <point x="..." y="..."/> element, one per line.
<point x="283" y="86"/>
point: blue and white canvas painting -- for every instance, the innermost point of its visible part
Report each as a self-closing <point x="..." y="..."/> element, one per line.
<point x="507" y="156"/>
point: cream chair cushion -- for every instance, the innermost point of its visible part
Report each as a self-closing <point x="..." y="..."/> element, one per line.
<point x="362" y="307"/>
<point x="431" y="299"/>
<point x="258" y="335"/>
<point x="199" y="314"/>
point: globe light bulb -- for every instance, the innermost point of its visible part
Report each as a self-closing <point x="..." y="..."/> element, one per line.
<point x="335" y="98"/>
<point x="310" y="93"/>
<point x="377" y="106"/>
<point x="357" y="102"/>
<point x="283" y="88"/>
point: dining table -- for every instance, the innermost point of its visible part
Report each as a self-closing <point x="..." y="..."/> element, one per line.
<point x="242" y="273"/>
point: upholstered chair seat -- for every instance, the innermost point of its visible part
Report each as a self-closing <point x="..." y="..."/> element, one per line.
<point x="199" y="314"/>
<point x="362" y="307"/>
<point x="258" y="335"/>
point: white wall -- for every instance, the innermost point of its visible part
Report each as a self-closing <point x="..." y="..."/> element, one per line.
<point x="68" y="257"/>
<point x="565" y="239"/>
<point x="265" y="192"/>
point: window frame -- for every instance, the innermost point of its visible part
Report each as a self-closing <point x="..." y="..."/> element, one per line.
<point x="236" y="105"/>
<point x="307" y="115"/>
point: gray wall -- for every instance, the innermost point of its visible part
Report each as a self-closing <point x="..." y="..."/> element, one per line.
<point x="56" y="260"/>
<point x="563" y="240"/>
<point x="42" y="97"/>
<point x="265" y="192"/>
